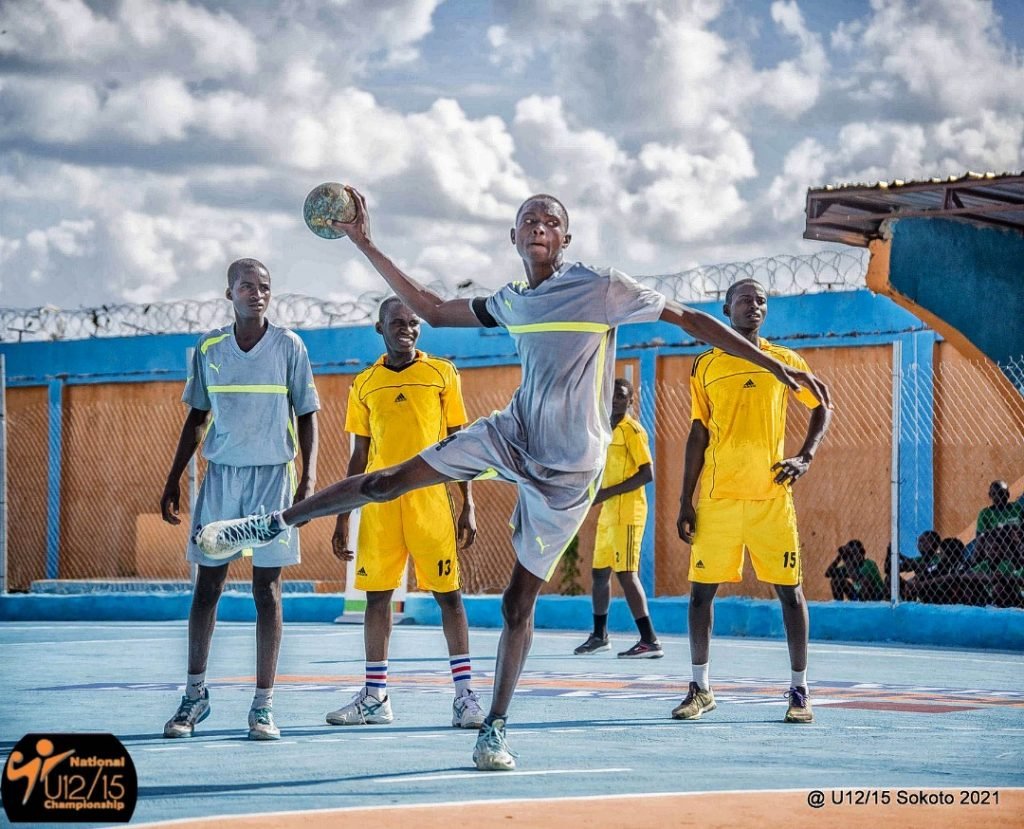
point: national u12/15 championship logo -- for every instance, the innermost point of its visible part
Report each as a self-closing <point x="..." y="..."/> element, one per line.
<point x="69" y="778"/>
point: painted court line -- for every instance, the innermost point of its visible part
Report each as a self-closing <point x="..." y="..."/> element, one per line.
<point x="307" y="814"/>
<point x="475" y="775"/>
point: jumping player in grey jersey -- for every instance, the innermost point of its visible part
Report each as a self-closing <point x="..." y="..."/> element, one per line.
<point x="550" y="441"/>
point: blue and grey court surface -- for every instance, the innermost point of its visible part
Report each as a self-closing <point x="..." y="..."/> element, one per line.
<point x="887" y="718"/>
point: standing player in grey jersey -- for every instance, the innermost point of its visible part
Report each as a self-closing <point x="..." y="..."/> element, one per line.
<point x="550" y="441"/>
<point x="246" y="382"/>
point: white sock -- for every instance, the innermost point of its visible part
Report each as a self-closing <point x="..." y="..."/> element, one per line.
<point x="798" y="679"/>
<point x="263" y="698"/>
<point x="377" y="679"/>
<point x="700" y="676"/>
<point x="195" y="685"/>
<point x="462" y="673"/>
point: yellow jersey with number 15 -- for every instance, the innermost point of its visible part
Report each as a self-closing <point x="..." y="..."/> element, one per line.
<point x="744" y="409"/>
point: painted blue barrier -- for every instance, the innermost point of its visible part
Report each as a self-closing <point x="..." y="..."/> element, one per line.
<point x="158" y="607"/>
<point x="954" y="626"/>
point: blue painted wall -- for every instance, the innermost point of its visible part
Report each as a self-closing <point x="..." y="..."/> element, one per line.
<point x="970" y="277"/>
<point x="831" y="319"/>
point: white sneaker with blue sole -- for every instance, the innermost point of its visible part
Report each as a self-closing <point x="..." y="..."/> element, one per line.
<point x="190" y="713"/>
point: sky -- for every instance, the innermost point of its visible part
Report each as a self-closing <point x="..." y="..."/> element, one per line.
<point x="145" y="144"/>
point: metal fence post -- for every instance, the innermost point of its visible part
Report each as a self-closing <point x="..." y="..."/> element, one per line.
<point x="55" y="411"/>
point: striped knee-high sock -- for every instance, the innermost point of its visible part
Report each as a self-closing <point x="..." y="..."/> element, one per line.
<point x="377" y="679"/>
<point x="462" y="673"/>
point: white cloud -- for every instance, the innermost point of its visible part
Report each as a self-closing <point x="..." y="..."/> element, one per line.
<point x="652" y="68"/>
<point x="149" y="142"/>
<point x="946" y="55"/>
<point x="156" y="110"/>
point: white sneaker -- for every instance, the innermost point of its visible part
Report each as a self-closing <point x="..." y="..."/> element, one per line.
<point x="365" y="709"/>
<point x="261" y="725"/>
<point x="466" y="711"/>
<point x="222" y="539"/>
<point x="190" y="712"/>
<point x="492" y="752"/>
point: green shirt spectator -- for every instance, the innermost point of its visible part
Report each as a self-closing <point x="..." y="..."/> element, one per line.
<point x="1002" y="513"/>
<point x="854" y="576"/>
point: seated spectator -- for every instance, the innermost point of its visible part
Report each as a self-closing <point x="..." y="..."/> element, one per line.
<point x="999" y="519"/>
<point x="952" y="556"/>
<point x="944" y="581"/>
<point x="926" y="564"/>
<point x="997" y="573"/>
<point x="854" y="576"/>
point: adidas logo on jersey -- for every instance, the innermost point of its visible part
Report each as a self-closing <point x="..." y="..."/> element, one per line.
<point x="401" y="398"/>
<point x="699" y="565"/>
<point x="749" y="384"/>
<point x="361" y="571"/>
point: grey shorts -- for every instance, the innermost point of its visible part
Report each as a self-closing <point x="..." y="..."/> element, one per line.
<point x="238" y="491"/>
<point x="551" y="506"/>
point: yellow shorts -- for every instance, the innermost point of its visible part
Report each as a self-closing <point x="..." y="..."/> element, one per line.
<point x="420" y="524"/>
<point x="766" y="529"/>
<point x="618" y="546"/>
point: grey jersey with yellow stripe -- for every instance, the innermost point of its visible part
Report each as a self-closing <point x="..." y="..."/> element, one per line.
<point x="252" y="395"/>
<point x="564" y="332"/>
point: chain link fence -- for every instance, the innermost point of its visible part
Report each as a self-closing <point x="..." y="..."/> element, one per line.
<point x="965" y="418"/>
<point x="782" y="275"/>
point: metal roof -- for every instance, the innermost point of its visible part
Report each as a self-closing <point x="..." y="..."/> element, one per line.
<point x="853" y="213"/>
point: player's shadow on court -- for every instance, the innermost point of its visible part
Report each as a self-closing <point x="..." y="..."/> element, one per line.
<point x="305" y="782"/>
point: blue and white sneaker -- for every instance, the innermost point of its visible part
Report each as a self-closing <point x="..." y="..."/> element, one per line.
<point x="190" y="713"/>
<point x="222" y="539"/>
<point x="364" y="709"/>
<point x="492" y="752"/>
<point x="261" y="725"/>
<point x="466" y="711"/>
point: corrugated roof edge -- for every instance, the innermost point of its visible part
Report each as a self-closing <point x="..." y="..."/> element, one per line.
<point x="885" y="185"/>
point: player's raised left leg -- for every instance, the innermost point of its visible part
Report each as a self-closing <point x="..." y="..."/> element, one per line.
<point x="222" y="539"/>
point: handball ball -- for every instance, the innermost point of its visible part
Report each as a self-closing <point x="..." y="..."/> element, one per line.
<point x="325" y="203"/>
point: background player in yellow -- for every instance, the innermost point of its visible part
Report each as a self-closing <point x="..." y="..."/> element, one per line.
<point x="400" y="405"/>
<point x="736" y="451"/>
<point x="620" y="529"/>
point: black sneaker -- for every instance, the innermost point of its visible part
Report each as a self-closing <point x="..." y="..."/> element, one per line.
<point x="594" y="644"/>
<point x="643" y="650"/>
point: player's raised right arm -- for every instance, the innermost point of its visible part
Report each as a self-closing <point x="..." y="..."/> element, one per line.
<point x="428" y="306"/>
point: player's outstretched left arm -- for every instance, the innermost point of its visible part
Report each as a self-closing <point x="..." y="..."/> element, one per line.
<point x="428" y="306"/>
<point x="707" y="329"/>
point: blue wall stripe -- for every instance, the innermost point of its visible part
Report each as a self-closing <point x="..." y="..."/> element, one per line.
<point x="55" y="413"/>
<point x="917" y="442"/>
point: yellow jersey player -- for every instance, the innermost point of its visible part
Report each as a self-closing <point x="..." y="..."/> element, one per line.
<point x="736" y="451"/>
<point x="403" y="403"/>
<point x="620" y="529"/>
